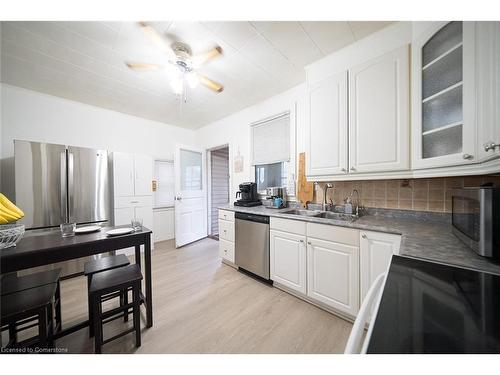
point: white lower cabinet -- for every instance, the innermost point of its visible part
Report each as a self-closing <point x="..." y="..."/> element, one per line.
<point x="376" y="253"/>
<point x="288" y="260"/>
<point x="226" y="250"/>
<point x="226" y="236"/>
<point x="333" y="274"/>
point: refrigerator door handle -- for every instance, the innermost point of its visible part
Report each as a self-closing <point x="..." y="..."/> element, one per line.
<point x="70" y="187"/>
<point x="64" y="189"/>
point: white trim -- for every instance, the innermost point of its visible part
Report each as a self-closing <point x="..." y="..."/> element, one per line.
<point x="443" y="91"/>
<point x="443" y="55"/>
<point x="271" y="118"/>
<point x="444" y="127"/>
<point x="489" y="167"/>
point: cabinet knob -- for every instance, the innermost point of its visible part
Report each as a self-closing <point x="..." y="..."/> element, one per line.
<point x="467" y="156"/>
<point x="364" y="236"/>
<point x="301" y="241"/>
<point x="308" y="242"/>
<point x="491" y="146"/>
<point x="353" y="169"/>
<point x="342" y="169"/>
<point x="178" y="198"/>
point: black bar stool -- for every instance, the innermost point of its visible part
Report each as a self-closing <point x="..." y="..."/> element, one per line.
<point x="115" y="281"/>
<point x="100" y="265"/>
<point x="20" y="309"/>
<point x="11" y="283"/>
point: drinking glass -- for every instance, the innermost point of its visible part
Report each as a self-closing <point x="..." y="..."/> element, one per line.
<point x="137" y="224"/>
<point x="68" y="229"/>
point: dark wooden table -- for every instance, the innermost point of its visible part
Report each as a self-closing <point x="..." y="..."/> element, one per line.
<point x="50" y="247"/>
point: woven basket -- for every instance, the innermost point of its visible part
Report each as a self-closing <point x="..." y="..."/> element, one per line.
<point x="10" y="234"/>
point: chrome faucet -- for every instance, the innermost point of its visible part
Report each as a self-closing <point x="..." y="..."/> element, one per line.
<point x="356" y="211"/>
<point x="325" y="189"/>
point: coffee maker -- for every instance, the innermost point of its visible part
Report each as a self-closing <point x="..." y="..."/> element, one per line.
<point x="248" y="195"/>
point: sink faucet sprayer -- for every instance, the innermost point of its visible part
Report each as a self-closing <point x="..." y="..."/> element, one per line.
<point x="325" y="189"/>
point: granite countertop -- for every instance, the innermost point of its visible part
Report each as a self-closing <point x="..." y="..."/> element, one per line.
<point x="424" y="235"/>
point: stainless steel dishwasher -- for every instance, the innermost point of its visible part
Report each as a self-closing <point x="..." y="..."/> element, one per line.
<point x="252" y="243"/>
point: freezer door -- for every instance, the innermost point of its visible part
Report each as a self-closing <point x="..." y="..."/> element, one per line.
<point x="88" y="185"/>
<point x="39" y="183"/>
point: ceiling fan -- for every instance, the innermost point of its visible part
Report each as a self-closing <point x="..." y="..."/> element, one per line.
<point x="181" y="64"/>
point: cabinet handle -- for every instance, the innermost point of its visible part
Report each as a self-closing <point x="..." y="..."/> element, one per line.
<point x="467" y="156"/>
<point x="364" y="236"/>
<point x="491" y="146"/>
<point x="134" y="201"/>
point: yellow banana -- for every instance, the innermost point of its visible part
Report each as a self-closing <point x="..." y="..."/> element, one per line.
<point x="3" y="220"/>
<point x="10" y="206"/>
<point x="8" y="214"/>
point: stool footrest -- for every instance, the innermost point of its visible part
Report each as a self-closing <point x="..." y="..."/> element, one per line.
<point x="119" y="335"/>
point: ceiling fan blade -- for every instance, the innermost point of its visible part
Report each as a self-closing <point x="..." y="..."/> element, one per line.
<point x="210" y="84"/>
<point x="143" y="66"/>
<point x="157" y="38"/>
<point x="208" y="55"/>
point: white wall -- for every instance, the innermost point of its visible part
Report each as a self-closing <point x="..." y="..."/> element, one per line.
<point x="33" y="116"/>
<point x="234" y="130"/>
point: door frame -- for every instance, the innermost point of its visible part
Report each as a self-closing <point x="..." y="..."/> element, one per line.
<point x="209" y="180"/>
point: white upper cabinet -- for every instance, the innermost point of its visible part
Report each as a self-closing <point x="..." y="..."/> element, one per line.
<point x="379" y="111"/>
<point x="443" y="93"/>
<point x="132" y="175"/>
<point x="488" y="89"/>
<point x="327" y="131"/>
<point x="143" y="174"/>
<point x="123" y="174"/>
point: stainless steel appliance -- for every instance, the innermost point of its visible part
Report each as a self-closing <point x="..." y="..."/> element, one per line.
<point x="476" y="219"/>
<point x="57" y="183"/>
<point x="251" y="252"/>
<point x="277" y="195"/>
<point x="248" y="195"/>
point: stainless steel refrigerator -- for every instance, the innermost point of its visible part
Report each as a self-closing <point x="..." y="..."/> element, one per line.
<point x="58" y="183"/>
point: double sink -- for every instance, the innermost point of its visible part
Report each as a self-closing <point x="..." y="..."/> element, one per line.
<point x="322" y="214"/>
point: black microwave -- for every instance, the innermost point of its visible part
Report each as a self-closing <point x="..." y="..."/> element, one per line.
<point x="476" y="219"/>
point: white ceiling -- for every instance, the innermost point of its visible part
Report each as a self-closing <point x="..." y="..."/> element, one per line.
<point x="84" y="61"/>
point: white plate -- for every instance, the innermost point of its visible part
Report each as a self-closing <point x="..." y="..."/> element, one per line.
<point x="88" y="229"/>
<point x="119" y="231"/>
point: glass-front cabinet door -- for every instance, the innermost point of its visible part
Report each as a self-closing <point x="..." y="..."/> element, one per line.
<point x="443" y="96"/>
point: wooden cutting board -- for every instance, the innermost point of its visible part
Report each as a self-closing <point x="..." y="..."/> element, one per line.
<point x="305" y="189"/>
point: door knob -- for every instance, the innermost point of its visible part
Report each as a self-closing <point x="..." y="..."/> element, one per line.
<point x="491" y="146"/>
<point x="467" y="156"/>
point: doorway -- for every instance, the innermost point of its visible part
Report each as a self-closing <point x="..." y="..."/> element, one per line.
<point x="218" y="186"/>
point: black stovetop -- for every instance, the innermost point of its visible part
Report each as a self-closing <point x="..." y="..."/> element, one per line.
<point x="432" y="308"/>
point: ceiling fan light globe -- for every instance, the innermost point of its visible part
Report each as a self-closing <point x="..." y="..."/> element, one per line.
<point x="192" y="80"/>
<point x="177" y="85"/>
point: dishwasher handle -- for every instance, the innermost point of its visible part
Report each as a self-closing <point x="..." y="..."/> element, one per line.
<point x="252" y="217"/>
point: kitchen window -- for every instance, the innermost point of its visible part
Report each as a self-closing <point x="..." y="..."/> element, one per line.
<point x="270" y="145"/>
<point x="270" y="175"/>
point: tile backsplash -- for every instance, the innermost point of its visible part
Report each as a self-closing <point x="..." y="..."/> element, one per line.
<point x="426" y="194"/>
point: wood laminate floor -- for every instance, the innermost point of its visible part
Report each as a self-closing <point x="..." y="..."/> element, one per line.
<point x="203" y="306"/>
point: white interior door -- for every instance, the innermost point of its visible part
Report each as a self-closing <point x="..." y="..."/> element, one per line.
<point x="190" y="195"/>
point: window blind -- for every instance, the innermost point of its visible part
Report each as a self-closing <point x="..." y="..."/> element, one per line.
<point x="271" y="140"/>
